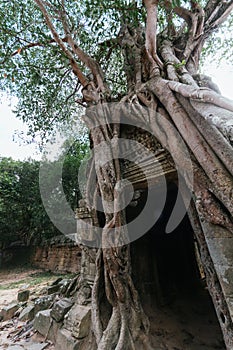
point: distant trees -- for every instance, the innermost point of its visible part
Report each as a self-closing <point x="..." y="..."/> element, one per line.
<point x="22" y="214"/>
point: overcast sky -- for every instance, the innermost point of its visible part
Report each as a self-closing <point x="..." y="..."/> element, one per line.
<point x="223" y="76"/>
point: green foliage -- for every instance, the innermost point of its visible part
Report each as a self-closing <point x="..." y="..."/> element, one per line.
<point x="22" y="214"/>
<point x="73" y="159"/>
<point x="219" y="46"/>
<point x="33" y="67"/>
<point x="21" y="211"/>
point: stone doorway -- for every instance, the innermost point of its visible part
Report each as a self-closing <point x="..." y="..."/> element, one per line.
<point x="171" y="284"/>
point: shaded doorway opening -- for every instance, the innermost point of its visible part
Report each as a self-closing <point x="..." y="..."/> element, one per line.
<point x="160" y="260"/>
<point x="170" y="283"/>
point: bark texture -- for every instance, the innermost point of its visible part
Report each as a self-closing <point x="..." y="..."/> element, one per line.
<point x="162" y="75"/>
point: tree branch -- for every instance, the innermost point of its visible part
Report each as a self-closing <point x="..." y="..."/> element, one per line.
<point x="201" y="95"/>
<point x="223" y="13"/>
<point x="29" y="46"/>
<point x="216" y="13"/>
<point x="86" y="59"/>
<point x="220" y="178"/>
<point x="151" y="31"/>
<point x="77" y="71"/>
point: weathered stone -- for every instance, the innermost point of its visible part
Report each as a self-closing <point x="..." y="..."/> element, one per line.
<point x="62" y="255"/>
<point x="46" y="326"/>
<point x="57" y="281"/>
<point x="8" y="312"/>
<point x="53" y="331"/>
<point x="64" y="284"/>
<point x="23" y="295"/>
<point x="60" y="309"/>
<point x="78" y="321"/>
<point x="14" y="347"/>
<point x="229" y="301"/>
<point x="42" y="322"/>
<point x="28" y="313"/>
<point x="44" y="302"/>
<point x="83" y="296"/>
<point x="65" y="341"/>
<point x="221" y="250"/>
<point x="53" y="289"/>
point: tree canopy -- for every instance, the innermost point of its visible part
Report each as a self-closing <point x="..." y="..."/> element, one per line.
<point x="46" y="66"/>
<point x="22" y="213"/>
<point x="145" y="55"/>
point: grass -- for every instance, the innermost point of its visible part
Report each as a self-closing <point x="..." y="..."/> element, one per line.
<point x="35" y="279"/>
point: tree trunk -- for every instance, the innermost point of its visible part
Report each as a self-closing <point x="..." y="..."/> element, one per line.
<point x="183" y="118"/>
<point x="128" y="324"/>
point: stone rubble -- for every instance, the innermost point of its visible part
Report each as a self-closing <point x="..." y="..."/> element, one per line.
<point x="8" y="311"/>
<point x="55" y="316"/>
<point x="23" y="295"/>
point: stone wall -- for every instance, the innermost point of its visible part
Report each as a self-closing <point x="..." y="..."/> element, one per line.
<point x="58" y="255"/>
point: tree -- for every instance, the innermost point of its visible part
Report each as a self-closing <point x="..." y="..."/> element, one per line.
<point x="146" y="55"/>
<point x="20" y="201"/>
<point x="20" y="196"/>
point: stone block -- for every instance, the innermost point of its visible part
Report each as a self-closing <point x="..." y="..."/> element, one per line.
<point x="65" y="341"/>
<point x="23" y="295"/>
<point x="42" y="322"/>
<point x="8" y="312"/>
<point x="46" y="326"/>
<point x="60" y="309"/>
<point x="64" y="284"/>
<point x="225" y="275"/>
<point x="53" y="289"/>
<point x="221" y="250"/>
<point x="229" y="301"/>
<point x="27" y="314"/>
<point x="78" y="321"/>
<point x="53" y="332"/>
<point x="44" y="302"/>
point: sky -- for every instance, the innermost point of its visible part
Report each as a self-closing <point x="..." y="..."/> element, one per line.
<point x="9" y="125"/>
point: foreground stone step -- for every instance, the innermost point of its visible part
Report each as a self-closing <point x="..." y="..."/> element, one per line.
<point x="60" y="309"/>
<point x="78" y="321"/>
<point x="65" y="341"/>
<point x="8" y="311"/>
<point x="46" y="326"/>
<point x="23" y="295"/>
<point x="27" y="314"/>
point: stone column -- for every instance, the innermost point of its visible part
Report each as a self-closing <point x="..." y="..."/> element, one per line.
<point x="86" y="237"/>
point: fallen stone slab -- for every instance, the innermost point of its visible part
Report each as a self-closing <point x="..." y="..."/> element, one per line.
<point x="44" y="302"/>
<point x="42" y="322"/>
<point x="8" y="311"/>
<point x="53" y="289"/>
<point x="78" y="321"/>
<point x="64" y="284"/>
<point x="65" y="341"/>
<point x="23" y="295"/>
<point x="60" y="309"/>
<point x="28" y="313"/>
<point x="46" y="326"/>
<point x="15" y="347"/>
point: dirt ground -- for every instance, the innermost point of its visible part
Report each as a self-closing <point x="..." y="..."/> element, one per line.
<point x="20" y="278"/>
<point x="188" y="322"/>
<point x="13" y="276"/>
